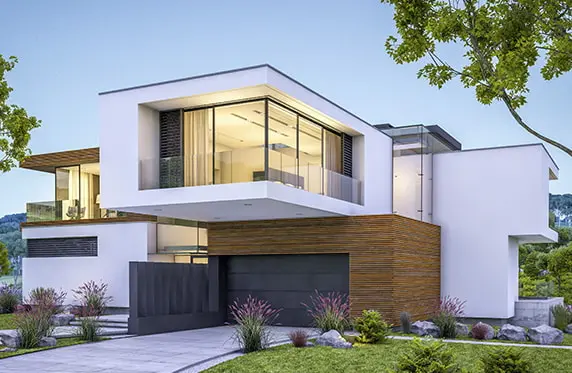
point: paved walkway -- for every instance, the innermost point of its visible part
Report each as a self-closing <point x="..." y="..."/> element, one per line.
<point x="169" y="352"/>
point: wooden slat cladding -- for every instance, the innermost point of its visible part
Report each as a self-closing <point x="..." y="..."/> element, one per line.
<point x="129" y="218"/>
<point x="394" y="261"/>
<point x="49" y="161"/>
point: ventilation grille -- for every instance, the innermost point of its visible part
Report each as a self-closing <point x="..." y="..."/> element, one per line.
<point x="170" y="151"/>
<point x="348" y="155"/>
<point x="60" y="247"/>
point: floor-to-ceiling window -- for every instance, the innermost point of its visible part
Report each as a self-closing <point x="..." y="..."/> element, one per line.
<point x="77" y="192"/>
<point x="283" y="146"/>
<point x="310" y="155"/>
<point x="198" y="147"/>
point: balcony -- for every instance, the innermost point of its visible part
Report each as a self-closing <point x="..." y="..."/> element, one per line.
<point x="66" y="210"/>
<point x="247" y="165"/>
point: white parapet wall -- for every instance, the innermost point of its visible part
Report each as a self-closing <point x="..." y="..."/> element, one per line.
<point x="117" y="245"/>
<point x="487" y="202"/>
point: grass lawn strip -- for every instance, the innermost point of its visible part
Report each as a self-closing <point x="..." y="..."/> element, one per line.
<point x="376" y="358"/>
<point x="7" y="321"/>
<point x="62" y="342"/>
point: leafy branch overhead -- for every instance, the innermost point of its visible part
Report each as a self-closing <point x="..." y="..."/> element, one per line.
<point x="15" y="124"/>
<point x="501" y="39"/>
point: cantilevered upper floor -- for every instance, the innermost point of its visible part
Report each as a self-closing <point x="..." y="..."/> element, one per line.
<point x="239" y="145"/>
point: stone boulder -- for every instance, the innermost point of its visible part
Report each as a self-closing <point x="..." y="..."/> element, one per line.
<point x="62" y="319"/>
<point x="489" y="330"/>
<point x="568" y="329"/>
<point x="47" y="342"/>
<point x="333" y="339"/>
<point x="462" y="329"/>
<point x="510" y="332"/>
<point x="545" y="335"/>
<point x="423" y="328"/>
<point x="8" y="349"/>
<point x="10" y="338"/>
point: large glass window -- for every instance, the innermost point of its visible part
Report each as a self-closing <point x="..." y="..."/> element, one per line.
<point x="310" y="155"/>
<point x="239" y="143"/>
<point x="198" y="147"/>
<point x="68" y="193"/>
<point x="282" y="146"/>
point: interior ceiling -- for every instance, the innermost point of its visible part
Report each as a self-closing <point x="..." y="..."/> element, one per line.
<point x="249" y="209"/>
<point x="248" y="93"/>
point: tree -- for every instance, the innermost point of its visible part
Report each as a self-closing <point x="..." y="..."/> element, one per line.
<point x="502" y="40"/>
<point x="560" y="264"/>
<point x="5" y="267"/>
<point x="15" y="124"/>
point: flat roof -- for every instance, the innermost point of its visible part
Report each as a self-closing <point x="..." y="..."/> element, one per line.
<point x="48" y="162"/>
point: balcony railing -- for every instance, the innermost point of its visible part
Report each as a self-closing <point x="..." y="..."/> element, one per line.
<point x="66" y="210"/>
<point x="247" y="165"/>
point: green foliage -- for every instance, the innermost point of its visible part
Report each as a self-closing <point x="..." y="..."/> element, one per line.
<point x="33" y="325"/>
<point x="405" y="319"/>
<point x="5" y="267"/>
<point x="562" y="316"/>
<point x="447" y="324"/>
<point x="15" y="124"/>
<point x="371" y="327"/>
<point x="500" y="41"/>
<point x="88" y="329"/>
<point x="535" y="263"/>
<point x="506" y="360"/>
<point x="427" y="357"/>
<point x="560" y="264"/>
<point x="9" y="298"/>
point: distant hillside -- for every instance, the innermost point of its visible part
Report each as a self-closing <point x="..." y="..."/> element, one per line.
<point x="10" y="234"/>
<point x="561" y="206"/>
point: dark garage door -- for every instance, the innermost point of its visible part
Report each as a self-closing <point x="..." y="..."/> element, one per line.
<point x="286" y="281"/>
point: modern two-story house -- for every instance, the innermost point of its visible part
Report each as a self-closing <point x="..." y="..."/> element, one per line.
<point x="280" y="192"/>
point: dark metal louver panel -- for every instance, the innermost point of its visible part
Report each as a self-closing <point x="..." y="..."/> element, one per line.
<point x="170" y="149"/>
<point x="60" y="247"/>
<point x="347" y="155"/>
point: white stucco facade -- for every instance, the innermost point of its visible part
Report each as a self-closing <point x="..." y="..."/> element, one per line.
<point x="487" y="202"/>
<point x="117" y="245"/>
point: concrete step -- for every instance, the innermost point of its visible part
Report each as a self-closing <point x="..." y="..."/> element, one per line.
<point x="70" y="331"/>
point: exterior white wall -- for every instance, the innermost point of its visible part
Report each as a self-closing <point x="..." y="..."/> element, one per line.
<point x="117" y="245"/>
<point x="486" y="202"/>
<point x="129" y="135"/>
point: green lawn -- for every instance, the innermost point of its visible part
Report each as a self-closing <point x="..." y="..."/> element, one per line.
<point x="7" y="321"/>
<point x="374" y="358"/>
<point x="62" y="342"/>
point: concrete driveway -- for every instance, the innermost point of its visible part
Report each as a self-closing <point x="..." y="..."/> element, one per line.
<point x="167" y="352"/>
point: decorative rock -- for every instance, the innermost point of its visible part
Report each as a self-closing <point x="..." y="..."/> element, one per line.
<point x="510" y="332"/>
<point x="423" y="328"/>
<point x="47" y="342"/>
<point x="462" y="329"/>
<point x="490" y="334"/>
<point x="333" y="339"/>
<point x="10" y="338"/>
<point x="309" y="344"/>
<point x="8" y="349"/>
<point x="546" y="335"/>
<point x="62" y="319"/>
<point x="568" y="329"/>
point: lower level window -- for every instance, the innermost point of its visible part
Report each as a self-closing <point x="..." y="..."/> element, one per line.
<point x="62" y="247"/>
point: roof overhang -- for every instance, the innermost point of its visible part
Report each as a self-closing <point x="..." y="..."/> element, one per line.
<point x="48" y="162"/>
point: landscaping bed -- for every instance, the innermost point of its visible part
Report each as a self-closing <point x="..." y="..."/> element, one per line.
<point x="374" y="358"/>
<point x="62" y="342"/>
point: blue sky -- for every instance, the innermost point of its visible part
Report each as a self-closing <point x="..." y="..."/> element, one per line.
<point x="71" y="50"/>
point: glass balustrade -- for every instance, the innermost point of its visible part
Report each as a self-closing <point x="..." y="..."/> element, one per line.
<point x="247" y="165"/>
<point x="66" y="210"/>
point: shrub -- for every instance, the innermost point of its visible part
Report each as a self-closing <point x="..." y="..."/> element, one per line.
<point x="88" y="329"/>
<point x="427" y="357"/>
<point x="33" y="325"/>
<point x="253" y="318"/>
<point x="405" y="319"/>
<point x="298" y="337"/>
<point x="506" y="360"/>
<point x="479" y="331"/>
<point x="562" y="316"/>
<point x="371" y="327"/>
<point x="47" y="299"/>
<point x="9" y="298"/>
<point x="93" y="298"/>
<point x="330" y="311"/>
<point x="446" y="317"/>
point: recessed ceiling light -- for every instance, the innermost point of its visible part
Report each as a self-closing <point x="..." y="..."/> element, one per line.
<point x="299" y="214"/>
<point x="248" y="204"/>
<point x="216" y="218"/>
<point x="157" y="209"/>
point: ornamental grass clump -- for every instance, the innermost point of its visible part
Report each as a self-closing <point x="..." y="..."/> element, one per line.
<point x="562" y="316"/>
<point x="506" y="360"/>
<point x="450" y="309"/>
<point x="34" y="320"/>
<point x="88" y="329"/>
<point x="93" y="299"/>
<point x="405" y="319"/>
<point x="47" y="299"/>
<point x="329" y="311"/>
<point x="253" y="318"/>
<point x="427" y="357"/>
<point x="10" y="296"/>
<point x="371" y="327"/>
<point x="299" y="337"/>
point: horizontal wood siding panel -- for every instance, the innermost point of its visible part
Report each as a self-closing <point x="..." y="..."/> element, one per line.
<point x="49" y="161"/>
<point x="394" y="261"/>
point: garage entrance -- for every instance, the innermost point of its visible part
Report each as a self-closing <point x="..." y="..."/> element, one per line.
<point x="286" y="281"/>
